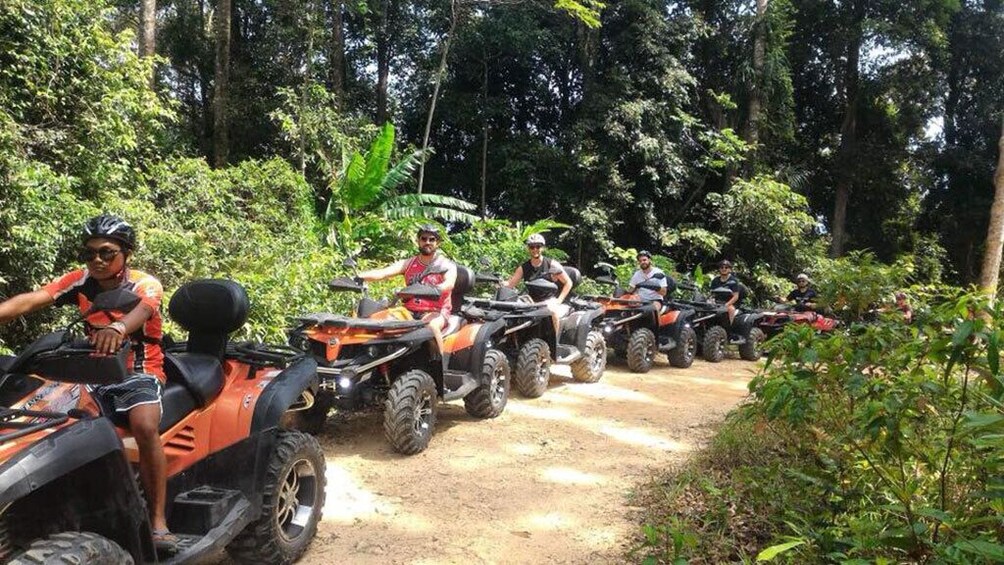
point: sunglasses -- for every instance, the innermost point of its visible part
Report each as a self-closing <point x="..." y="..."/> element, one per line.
<point x="429" y="239"/>
<point x="86" y="254"/>
<point x="534" y="246"/>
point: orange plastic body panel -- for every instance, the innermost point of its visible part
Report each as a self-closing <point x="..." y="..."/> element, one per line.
<point x="668" y="318"/>
<point x="462" y="338"/>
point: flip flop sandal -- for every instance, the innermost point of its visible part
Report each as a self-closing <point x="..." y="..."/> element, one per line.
<point x="164" y="540"/>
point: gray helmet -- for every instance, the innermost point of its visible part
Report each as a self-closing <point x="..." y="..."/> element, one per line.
<point x="643" y="253"/>
<point x="536" y="239"/>
<point x="429" y="228"/>
<point x="110" y="227"/>
<point x="725" y="263"/>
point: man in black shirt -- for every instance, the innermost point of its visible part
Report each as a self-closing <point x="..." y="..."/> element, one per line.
<point x="803" y="296"/>
<point x="726" y="279"/>
<point x="541" y="267"/>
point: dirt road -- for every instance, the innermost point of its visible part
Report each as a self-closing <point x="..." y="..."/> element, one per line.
<point x="546" y="482"/>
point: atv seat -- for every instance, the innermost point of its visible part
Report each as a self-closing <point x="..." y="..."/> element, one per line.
<point x="573" y="275"/>
<point x="464" y="284"/>
<point x="210" y="310"/>
<point x="6" y="361"/>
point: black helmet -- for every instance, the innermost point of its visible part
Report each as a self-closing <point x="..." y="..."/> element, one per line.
<point x="429" y="228"/>
<point x="110" y="227"/>
<point x="724" y="263"/>
<point x="643" y="253"/>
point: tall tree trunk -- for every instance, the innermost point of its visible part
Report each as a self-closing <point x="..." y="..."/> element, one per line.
<point x="336" y="52"/>
<point x="383" y="64"/>
<point x="308" y="77"/>
<point x="148" y="32"/>
<point x="848" y="131"/>
<point x="440" y="73"/>
<point x="756" y="86"/>
<point x="995" y="232"/>
<point x="221" y="144"/>
<point x="484" y="142"/>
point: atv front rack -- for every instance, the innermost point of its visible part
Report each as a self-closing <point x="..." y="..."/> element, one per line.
<point x="339" y="321"/>
<point x="33" y="420"/>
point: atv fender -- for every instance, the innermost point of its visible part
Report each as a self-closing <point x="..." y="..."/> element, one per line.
<point x="483" y="337"/>
<point x="683" y="319"/>
<point x="282" y="391"/>
<point x="576" y="327"/>
<point x="81" y="471"/>
<point x="744" y="323"/>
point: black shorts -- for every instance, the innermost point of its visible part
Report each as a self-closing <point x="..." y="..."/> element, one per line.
<point x="118" y="399"/>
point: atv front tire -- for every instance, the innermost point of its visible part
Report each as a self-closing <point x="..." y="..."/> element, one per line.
<point x="589" y="368"/>
<point x="409" y="414"/>
<point x="72" y="548"/>
<point x="291" y="505"/>
<point x="641" y="350"/>
<point x="533" y="368"/>
<point x="490" y="398"/>
<point x="750" y="351"/>
<point x="683" y="354"/>
<point x="713" y="347"/>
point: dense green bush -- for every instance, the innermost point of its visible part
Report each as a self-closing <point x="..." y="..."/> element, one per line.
<point x="884" y="443"/>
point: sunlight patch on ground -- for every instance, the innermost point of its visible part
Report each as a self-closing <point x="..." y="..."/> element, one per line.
<point x="549" y="521"/>
<point x="643" y="438"/>
<point x="348" y="502"/>
<point x="569" y="476"/>
<point x="522" y="448"/>
<point x="734" y="385"/>
<point x="481" y="460"/>
<point x="559" y="398"/>
<point x="607" y="392"/>
<point x="540" y="412"/>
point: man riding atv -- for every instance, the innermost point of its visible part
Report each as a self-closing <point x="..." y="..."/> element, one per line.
<point x="429" y="268"/>
<point x="540" y="267"/>
<point x="647" y="272"/>
<point x="107" y="243"/>
<point x="803" y="296"/>
<point x="726" y="279"/>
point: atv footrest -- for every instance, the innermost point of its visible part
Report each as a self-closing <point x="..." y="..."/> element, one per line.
<point x="194" y="546"/>
<point x="458" y="384"/>
<point x="199" y="510"/>
<point x="737" y="340"/>
<point x="568" y="354"/>
<point x="667" y="345"/>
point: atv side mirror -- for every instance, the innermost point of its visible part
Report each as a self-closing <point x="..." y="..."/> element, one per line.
<point x="483" y="261"/>
<point x="118" y="300"/>
<point x="603" y="279"/>
<point x="349" y="262"/>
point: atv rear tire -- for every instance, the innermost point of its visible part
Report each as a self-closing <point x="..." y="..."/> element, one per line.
<point x="291" y="504"/>
<point x="489" y="399"/>
<point x="641" y="351"/>
<point x="410" y="412"/>
<point x="589" y="368"/>
<point x="533" y="368"/>
<point x="73" y="548"/>
<point x="713" y="346"/>
<point x="683" y="354"/>
<point x="750" y="351"/>
<point x="312" y="420"/>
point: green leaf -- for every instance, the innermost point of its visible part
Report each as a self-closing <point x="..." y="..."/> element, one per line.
<point x="982" y="548"/>
<point x="773" y="551"/>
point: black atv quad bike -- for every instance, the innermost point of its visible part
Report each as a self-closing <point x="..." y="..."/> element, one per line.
<point x="715" y="333"/>
<point x="236" y="479"/>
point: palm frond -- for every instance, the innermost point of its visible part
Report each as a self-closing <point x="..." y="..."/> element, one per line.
<point x="403" y="170"/>
<point x="447" y="215"/>
<point x="426" y="199"/>
<point x="350" y="186"/>
<point x="542" y="226"/>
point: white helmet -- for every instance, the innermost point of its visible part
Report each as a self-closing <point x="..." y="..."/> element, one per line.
<point x="802" y="277"/>
<point x="535" y="239"/>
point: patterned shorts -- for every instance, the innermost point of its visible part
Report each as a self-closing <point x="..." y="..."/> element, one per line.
<point x="118" y="399"/>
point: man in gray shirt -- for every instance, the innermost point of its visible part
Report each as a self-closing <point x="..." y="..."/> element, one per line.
<point x="648" y="272"/>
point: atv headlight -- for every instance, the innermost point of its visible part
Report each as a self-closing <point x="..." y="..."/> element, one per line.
<point x="344" y="383"/>
<point x="608" y="329"/>
<point x="373" y="351"/>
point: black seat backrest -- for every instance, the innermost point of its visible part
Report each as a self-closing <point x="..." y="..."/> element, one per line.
<point x="573" y="274"/>
<point x="210" y="309"/>
<point x="464" y="284"/>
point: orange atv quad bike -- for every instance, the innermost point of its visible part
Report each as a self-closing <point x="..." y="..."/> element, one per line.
<point x="637" y="329"/>
<point x="382" y="354"/>
<point x="236" y="480"/>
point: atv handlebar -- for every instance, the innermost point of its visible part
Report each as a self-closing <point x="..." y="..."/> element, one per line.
<point x="346" y="284"/>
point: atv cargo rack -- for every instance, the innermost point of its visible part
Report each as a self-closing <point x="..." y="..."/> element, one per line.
<point x="12" y="427"/>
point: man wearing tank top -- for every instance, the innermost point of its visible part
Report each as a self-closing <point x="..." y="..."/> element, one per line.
<point x="538" y="267"/>
<point x="430" y="268"/>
